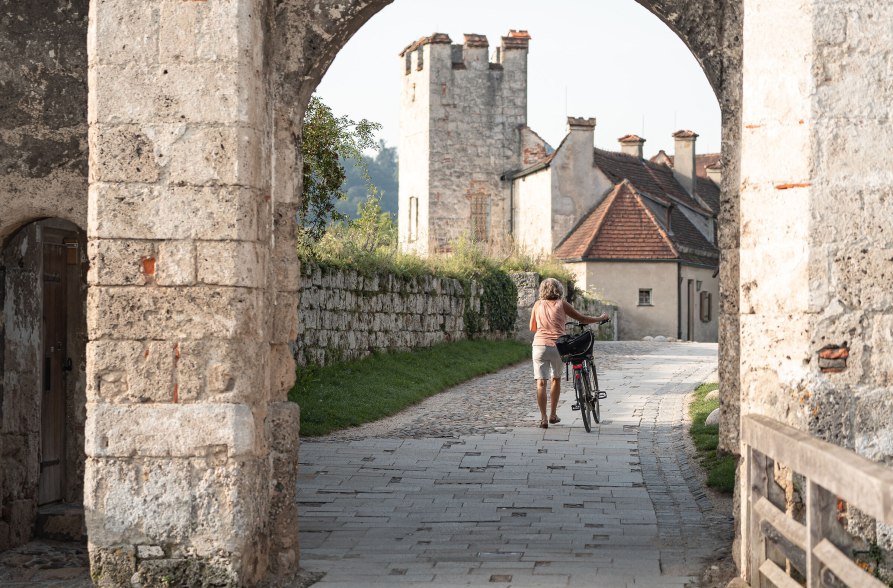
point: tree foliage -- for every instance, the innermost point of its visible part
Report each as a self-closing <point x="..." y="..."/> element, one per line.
<point x="382" y="171"/>
<point x="328" y="140"/>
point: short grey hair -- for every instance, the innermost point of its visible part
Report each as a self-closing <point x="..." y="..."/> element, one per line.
<point x="551" y="289"/>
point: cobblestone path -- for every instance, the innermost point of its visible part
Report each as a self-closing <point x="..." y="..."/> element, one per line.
<point x="464" y="490"/>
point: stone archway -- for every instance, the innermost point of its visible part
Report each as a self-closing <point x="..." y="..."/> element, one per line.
<point x="191" y="443"/>
<point x="195" y="118"/>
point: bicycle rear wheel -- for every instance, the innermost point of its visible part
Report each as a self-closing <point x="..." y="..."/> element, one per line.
<point x="596" y="393"/>
<point x="580" y="389"/>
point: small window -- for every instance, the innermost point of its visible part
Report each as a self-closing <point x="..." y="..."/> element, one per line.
<point x="706" y="310"/>
<point x="413" y="218"/>
<point x="645" y="297"/>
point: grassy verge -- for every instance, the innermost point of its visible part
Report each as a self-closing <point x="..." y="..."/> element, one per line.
<point x="350" y="394"/>
<point x="720" y="468"/>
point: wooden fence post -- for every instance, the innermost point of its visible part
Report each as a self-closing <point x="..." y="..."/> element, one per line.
<point x="820" y="507"/>
<point x="757" y="487"/>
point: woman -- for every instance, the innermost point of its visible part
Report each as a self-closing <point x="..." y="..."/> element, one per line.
<point x="547" y="320"/>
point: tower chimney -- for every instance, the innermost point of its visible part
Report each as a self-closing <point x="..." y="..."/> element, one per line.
<point x="581" y="131"/>
<point x="684" y="160"/>
<point x="714" y="172"/>
<point x="632" y="145"/>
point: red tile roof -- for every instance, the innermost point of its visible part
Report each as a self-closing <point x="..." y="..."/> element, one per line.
<point x="702" y="162"/>
<point x="621" y="227"/>
<point x="706" y="189"/>
<point x="628" y="225"/>
<point x="652" y="179"/>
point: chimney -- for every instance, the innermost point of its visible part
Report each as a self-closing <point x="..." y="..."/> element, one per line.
<point x="714" y="172"/>
<point x="684" y="160"/>
<point x="632" y="145"/>
<point x="581" y="133"/>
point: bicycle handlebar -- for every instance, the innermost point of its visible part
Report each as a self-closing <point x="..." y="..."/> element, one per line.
<point x="579" y="324"/>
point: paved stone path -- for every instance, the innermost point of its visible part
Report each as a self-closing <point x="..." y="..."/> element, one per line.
<point x="45" y="564"/>
<point x="494" y="501"/>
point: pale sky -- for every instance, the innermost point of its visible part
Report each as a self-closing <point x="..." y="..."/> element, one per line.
<point x="610" y="59"/>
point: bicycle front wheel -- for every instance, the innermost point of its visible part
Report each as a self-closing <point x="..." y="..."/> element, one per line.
<point x="580" y="388"/>
<point x="595" y="393"/>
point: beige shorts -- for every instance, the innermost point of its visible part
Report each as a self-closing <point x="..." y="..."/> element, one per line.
<point x="547" y="363"/>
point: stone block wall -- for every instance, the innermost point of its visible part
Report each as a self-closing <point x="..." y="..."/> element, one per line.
<point x="528" y="284"/>
<point x="191" y="444"/>
<point x="816" y="245"/>
<point x="345" y="315"/>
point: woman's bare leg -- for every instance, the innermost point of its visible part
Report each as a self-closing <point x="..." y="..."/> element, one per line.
<point x="541" y="397"/>
<point x="553" y="395"/>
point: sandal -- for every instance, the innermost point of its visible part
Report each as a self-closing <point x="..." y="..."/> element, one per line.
<point x="544" y="424"/>
<point x="554" y="419"/>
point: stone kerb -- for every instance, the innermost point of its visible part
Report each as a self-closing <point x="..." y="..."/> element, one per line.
<point x="346" y="315"/>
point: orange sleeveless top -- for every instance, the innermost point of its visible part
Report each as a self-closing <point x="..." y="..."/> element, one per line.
<point x="550" y="318"/>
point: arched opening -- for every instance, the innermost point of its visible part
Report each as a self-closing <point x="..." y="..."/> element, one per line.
<point x="43" y="333"/>
<point x="199" y="203"/>
<point x="715" y="42"/>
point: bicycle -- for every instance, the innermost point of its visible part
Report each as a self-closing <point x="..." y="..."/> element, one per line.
<point x="576" y="350"/>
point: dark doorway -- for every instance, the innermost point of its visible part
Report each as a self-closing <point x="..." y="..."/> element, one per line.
<point x="57" y="362"/>
<point x="691" y="311"/>
<point x="43" y="386"/>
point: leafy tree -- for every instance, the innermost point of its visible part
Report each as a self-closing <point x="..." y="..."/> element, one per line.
<point x="382" y="170"/>
<point x="327" y="142"/>
<point x="375" y="229"/>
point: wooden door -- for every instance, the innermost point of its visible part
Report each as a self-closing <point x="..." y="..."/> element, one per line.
<point x="52" y="416"/>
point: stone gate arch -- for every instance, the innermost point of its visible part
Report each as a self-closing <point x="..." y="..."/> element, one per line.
<point x="190" y="441"/>
<point x="194" y="127"/>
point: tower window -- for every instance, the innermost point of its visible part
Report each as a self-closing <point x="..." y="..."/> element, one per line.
<point x="413" y="218"/>
<point x="480" y="217"/>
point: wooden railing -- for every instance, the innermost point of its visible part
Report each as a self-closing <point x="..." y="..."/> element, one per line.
<point x="831" y="473"/>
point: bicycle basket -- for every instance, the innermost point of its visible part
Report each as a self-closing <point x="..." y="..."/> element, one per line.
<point x="574" y="345"/>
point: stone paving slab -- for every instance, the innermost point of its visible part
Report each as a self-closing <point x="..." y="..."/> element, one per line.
<point x="462" y="491"/>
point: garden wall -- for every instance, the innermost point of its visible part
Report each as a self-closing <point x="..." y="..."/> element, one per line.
<point x="345" y="315"/>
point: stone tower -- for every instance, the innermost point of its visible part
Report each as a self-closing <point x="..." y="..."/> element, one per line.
<point x="460" y="119"/>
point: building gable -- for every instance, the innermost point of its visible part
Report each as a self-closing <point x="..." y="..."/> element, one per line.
<point x="621" y="227"/>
